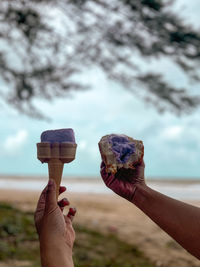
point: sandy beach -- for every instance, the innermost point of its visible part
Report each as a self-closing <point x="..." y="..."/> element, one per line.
<point x="110" y="213"/>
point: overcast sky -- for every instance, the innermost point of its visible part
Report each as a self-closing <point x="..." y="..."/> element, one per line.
<point x="172" y="144"/>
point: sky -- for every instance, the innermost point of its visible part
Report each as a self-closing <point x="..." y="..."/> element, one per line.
<point x="172" y="144"/>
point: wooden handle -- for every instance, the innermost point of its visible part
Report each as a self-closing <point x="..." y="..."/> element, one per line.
<point x="55" y="172"/>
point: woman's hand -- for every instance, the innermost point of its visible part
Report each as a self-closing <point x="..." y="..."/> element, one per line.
<point x="125" y="181"/>
<point x="56" y="234"/>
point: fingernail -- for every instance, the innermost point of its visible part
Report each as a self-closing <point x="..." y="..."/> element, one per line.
<point x="72" y="211"/>
<point x="50" y="182"/>
<point x="65" y="200"/>
<point x="62" y="189"/>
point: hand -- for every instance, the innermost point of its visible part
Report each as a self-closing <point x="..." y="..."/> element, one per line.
<point x="125" y="181"/>
<point x="54" y="229"/>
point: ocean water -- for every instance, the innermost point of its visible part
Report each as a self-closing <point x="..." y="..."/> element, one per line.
<point x="178" y="190"/>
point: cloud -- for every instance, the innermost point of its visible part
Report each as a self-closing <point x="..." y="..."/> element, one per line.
<point x="82" y="144"/>
<point x="14" y="143"/>
<point x="172" y="132"/>
<point x="172" y="143"/>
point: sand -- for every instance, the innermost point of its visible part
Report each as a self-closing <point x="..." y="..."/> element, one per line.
<point x="110" y="213"/>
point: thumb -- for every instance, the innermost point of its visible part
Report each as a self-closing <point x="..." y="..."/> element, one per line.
<point x="141" y="168"/>
<point x="51" y="202"/>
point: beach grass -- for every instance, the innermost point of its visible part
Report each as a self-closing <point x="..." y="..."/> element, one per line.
<point x="19" y="242"/>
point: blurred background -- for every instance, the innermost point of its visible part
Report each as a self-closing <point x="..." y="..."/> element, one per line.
<point x="100" y="67"/>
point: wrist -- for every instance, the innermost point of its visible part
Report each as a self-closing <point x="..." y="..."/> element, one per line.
<point x="55" y="254"/>
<point x="141" y="194"/>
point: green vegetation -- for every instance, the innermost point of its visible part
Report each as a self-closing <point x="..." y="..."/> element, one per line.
<point x="18" y="238"/>
<point x="18" y="241"/>
<point x="93" y="249"/>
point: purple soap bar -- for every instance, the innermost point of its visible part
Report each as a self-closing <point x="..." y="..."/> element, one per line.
<point x="122" y="147"/>
<point x="62" y="135"/>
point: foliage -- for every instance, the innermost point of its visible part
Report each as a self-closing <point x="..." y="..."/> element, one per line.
<point x="45" y="43"/>
<point x="93" y="249"/>
<point x="18" y="241"/>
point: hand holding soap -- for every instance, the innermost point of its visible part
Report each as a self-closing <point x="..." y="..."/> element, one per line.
<point x="120" y="151"/>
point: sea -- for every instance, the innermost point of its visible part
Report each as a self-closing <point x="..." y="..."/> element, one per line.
<point x="184" y="189"/>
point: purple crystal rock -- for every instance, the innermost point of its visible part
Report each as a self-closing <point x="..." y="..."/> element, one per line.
<point x="122" y="147"/>
<point x="62" y="135"/>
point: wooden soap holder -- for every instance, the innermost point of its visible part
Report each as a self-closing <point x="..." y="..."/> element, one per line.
<point x="65" y="151"/>
<point x="56" y="154"/>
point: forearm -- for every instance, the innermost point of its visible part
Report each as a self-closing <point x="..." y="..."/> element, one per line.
<point x="56" y="256"/>
<point x="180" y="220"/>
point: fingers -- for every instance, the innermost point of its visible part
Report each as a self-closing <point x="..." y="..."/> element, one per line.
<point x="62" y="189"/>
<point x="51" y="201"/>
<point x="142" y="164"/>
<point x="108" y="178"/>
<point x="70" y="215"/>
<point x="103" y="172"/>
<point x="63" y="203"/>
<point x="102" y="165"/>
<point x="140" y="169"/>
<point x="41" y="200"/>
<point x="40" y="206"/>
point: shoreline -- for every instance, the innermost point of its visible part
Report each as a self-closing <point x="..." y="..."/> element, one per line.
<point x="182" y="190"/>
<point x="163" y="180"/>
